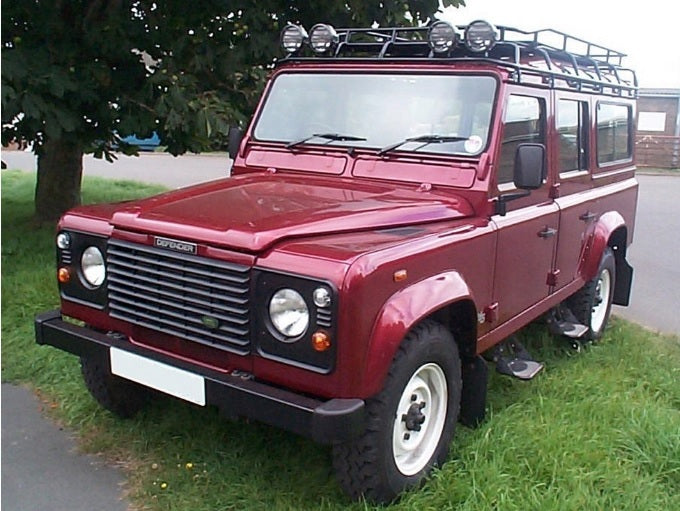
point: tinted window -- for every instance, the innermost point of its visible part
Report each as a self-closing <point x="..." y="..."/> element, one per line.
<point x="572" y="134"/>
<point x="524" y="123"/>
<point x="613" y="132"/>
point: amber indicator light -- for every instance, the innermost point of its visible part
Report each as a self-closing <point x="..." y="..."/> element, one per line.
<point x="321" y="341"/>
<point x="400" y="275"/>
<point x="63" y="275"/>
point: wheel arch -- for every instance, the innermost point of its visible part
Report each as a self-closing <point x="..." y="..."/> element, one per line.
<point x="610" y="232"/>
<point x="445" y="298"/>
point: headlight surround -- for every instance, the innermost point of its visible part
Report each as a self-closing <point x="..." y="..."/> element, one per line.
<point x="93" y="267"/>
<point x="289" y="314"/>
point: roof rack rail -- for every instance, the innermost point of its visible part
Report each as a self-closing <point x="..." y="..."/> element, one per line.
<point x="557" y="59"/>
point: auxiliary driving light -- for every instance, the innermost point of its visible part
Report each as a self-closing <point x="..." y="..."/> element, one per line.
<point x="480" y="36"/>
<point x="292" y="37"/>
<point x="442" y="37"/>
<point x="322" y="38"/>
<point x="322" y="297"/>
<point x="64" y="240"/>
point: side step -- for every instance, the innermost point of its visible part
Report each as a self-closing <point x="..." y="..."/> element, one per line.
<point x="563" y="322"/>
<point x="512" y="359"/>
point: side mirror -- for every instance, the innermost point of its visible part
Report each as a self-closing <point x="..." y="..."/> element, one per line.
<point x="529" y="166"/>
<point x="235" y="137"/>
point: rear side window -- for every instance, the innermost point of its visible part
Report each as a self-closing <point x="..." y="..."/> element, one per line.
<point x="613" y="132"/>
<point x="572" y="135"/>
<point x="524" y="123"/>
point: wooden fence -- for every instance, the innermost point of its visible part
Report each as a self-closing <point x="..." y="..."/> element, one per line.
<point x="661" y="151"/>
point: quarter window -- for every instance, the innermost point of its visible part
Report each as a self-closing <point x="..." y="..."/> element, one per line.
<point x="613" y="132"/>
<point x="524" y="123"/>
<point x="572" y="135"/>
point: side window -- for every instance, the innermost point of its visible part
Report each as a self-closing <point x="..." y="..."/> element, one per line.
<point x="613" y="132"/>
<point x="572" y="135"/>
<point x="524" y="123"/>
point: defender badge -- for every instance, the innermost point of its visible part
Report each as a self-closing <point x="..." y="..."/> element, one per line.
<point x="176" y="245"/>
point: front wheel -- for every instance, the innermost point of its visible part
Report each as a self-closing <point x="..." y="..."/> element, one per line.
<point x="592" y="304"/>
<point x="118" y="395"/>
<point x="410" y="422"/>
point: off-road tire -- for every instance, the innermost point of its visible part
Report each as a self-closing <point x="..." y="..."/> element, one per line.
<point x="118" y="395"/>
<point x="366" y="466"/>
<point x="584" y="303"/>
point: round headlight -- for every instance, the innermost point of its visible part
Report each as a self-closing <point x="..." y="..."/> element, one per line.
<point x="92" y="266"/>
<point x="292" y="37"/>
<point x="288" y="313"/>
<point x="480" y="36"/>
<point x="322" y="38"/>
<point x="64" y="240"/>
<point x="442" y="37"/>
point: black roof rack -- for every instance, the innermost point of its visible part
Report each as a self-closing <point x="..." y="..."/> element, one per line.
<point x="557" y="59"/>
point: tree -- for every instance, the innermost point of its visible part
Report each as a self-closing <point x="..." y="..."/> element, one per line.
<point x="78" y="74"/>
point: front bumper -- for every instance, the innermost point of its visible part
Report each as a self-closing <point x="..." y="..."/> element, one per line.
<point x="328" y="422"/>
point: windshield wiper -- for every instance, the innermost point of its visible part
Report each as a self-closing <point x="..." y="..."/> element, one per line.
<point x="331" y="137"/>
<point x="425" y="139"/>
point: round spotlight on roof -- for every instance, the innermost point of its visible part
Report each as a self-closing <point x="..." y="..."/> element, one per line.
<point x="442" y="37"/>
<point x="322" y="38"/>
<point x="480" y="36"/>
<point x="292" y="37"/>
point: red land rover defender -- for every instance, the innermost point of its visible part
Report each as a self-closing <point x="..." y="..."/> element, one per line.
<point x="404" y="200"/>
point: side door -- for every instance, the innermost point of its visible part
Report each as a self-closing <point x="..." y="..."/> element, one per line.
<point x="578" y="205"/>
<point x="527" y="234"/>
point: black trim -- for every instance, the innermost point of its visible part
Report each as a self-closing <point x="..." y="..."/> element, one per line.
<point x="294" y="351"/>
<point x="328" y="422"/>
<point x="77" y="289"/>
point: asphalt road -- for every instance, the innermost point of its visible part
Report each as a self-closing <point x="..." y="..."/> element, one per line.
<point x="41" y="470"/>
<point x="654" y="256"/>
<point x="156" y="168"/>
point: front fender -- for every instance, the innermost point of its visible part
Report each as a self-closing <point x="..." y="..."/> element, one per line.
<point x="606" y="225"/>
<point x="403" y="311"/>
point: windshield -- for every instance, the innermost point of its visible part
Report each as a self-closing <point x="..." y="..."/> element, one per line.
<point x="378" y="111"/>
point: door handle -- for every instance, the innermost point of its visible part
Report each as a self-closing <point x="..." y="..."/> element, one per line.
<point x="548" y="232"/>
<point x="587" y="216"/>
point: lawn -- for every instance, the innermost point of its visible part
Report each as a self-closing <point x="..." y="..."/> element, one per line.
<point x="598" y="429"/>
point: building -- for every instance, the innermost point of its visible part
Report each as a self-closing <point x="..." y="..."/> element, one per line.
<point x="658" y="129"/>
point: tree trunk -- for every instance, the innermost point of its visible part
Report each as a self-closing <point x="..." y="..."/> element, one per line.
<point x="60" y="170"/>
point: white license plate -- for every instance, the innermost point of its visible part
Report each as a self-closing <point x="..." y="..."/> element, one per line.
<point x="159" y="376"/>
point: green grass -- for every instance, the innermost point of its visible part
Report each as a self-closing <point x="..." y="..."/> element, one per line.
<point x="596" y="430"/>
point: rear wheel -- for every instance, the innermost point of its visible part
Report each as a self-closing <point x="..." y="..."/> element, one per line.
<point x="118" y="395"/>
<point x="410" y="422"/>
<point x="592" y="304"/>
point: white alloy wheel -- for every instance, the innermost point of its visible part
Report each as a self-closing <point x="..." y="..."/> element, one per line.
<point x="420" y="419"/>
<point x="601" y="300"/>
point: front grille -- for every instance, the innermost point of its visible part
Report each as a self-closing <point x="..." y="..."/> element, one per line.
<point x="195" y="298"/>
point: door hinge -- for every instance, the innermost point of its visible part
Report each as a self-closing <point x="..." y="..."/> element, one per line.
<point x="553" y="278"/>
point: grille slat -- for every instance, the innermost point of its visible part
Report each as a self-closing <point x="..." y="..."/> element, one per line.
<point x="152" y="273"/>
<point x="150" y="309"/>
<point x="227" y="309"/>
<point x="192" y="297"/>
<point x="126" y="296"/>
<point x="238" y="279"/>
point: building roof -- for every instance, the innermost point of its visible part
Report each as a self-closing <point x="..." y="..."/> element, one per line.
<point x="659" y="93"/>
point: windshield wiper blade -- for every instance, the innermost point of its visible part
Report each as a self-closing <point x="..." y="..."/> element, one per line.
<point x="331" y="137"/>
<point x="425" y="139"/>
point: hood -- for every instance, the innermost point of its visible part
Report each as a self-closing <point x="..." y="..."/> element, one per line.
<point x="253" y="212"/>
